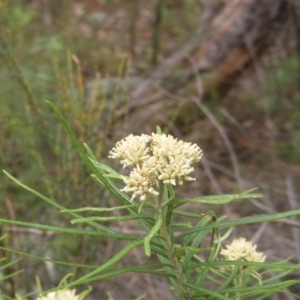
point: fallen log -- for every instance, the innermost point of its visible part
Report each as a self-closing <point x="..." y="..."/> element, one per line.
<point x="236" y="35"/>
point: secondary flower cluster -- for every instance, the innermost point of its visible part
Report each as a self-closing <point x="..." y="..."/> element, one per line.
<point x="60" y="295"/>
<point x="155" y="157"/>
<point x="241" y="249"/>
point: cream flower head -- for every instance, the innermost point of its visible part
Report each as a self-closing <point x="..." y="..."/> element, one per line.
<point x="131" y="151"/>
<point x="241" y="249"/>
<point x="60" y="295"/>
<point x="155" y="157"/>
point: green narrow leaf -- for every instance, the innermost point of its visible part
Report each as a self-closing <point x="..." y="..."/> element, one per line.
<point x="97" y="209"/>
<point x="249" y="220"/>
<point x="152" y="233"/>
<point x="56" y="205"/>
<point x="216" y="199"/>
<point x="58" y="262"/>
<point x="158" y="130"/>
<point x="3" y="278"/>
<point x="111" y="173"/>
<point x="105" y="219"/>
<point x="205" y="292"/>
<point x="187" y="214"/>
<point x="90" y="152"/>
<point x="142" y="269"/>
<point x="259" y="289"/>
<point x="9" y="264"/>
<point x="229" y="279"/>
<point x="105" y="233"/>
<point x="194" y="240"/>
<point x="182" y="224"/>
<point x="278" y="276"/>
<point x="258" y="265"/>
<point x="106" y="182"/>
<point x="86" y="278"/>
<point x="123" y="198"/>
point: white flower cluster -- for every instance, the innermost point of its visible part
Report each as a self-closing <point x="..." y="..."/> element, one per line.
<point x="155" y="157"/>
<point x="60" y="295"/>
<point x="241" y="249"/>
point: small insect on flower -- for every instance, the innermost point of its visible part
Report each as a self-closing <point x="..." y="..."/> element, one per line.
<point x="149" y="145"/>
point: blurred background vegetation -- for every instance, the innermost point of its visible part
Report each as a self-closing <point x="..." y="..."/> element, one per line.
<point x="112" y="68"/>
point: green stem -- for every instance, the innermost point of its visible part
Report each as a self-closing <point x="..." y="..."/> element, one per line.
<point x="170" y="249"/>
